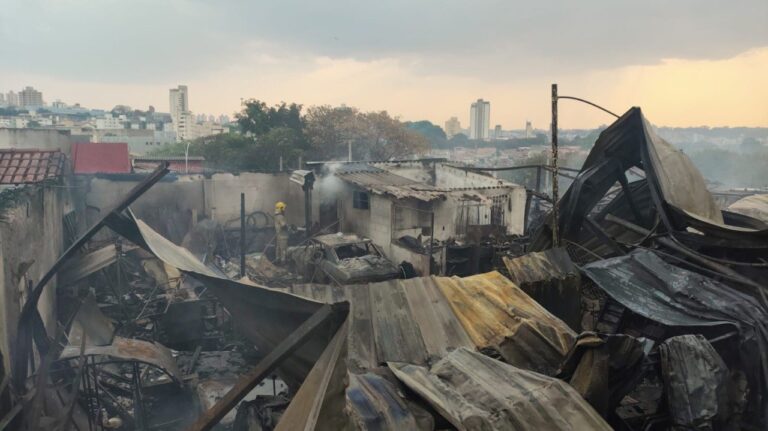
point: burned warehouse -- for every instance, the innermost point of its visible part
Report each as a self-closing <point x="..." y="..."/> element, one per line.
<point x="419" y="294"/>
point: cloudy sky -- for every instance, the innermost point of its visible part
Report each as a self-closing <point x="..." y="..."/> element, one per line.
<point x="686" y="62"/>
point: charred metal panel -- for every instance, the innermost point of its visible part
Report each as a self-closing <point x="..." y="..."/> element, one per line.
<point x="695" y="381"/>
<point x="678" y="298"/>
<point x="552" y="280"/>
<point x="475" y="392"/>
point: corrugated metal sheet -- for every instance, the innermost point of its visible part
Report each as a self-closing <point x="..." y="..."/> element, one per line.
<point x="552" y="280"/>
<point x="100" y="158"/>
<point x="29" y="166"/>
<point x="382" y="182"/>
<point x="475" y="392"/>
<point x="424" y="318"/>
<point x="375" y="404"/>
<point x="498" y="315"/>
<point x="396" y="320"/>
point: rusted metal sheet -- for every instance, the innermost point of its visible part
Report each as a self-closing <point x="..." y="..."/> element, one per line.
<point x="499" y="315"/>
<point x="421" y="318"/>
<point x="131" y="350"/>
<point x="475" y="392"/>
<point x="552" y="280"/>
<point x="441" y="329"/>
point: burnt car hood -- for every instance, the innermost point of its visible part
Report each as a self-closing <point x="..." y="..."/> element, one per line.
<point x="366" y="268"/>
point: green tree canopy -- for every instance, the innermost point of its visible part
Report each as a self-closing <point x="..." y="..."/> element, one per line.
<point x="434" y="134"/>
<point x="373" y="135"/>
<point x="323" y="133"/>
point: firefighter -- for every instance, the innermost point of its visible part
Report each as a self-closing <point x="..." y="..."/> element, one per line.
<point x="281" y="233"/>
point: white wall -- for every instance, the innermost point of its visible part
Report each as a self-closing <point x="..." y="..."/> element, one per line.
<point x="42" y="139"/>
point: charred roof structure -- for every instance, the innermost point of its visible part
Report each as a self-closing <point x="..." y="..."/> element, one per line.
<point x="651" y="316"/>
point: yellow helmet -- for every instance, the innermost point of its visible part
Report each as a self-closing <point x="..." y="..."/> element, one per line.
<point x="280" y="206"/>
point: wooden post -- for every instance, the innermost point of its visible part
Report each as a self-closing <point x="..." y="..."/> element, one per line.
<point x="555" y="172"/>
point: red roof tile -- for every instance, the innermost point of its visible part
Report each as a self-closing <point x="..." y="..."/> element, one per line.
<point x="100" y="158"/>
<point x="29" y="166"/>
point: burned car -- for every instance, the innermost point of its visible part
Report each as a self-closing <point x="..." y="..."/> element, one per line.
<point x="341" y="258"/>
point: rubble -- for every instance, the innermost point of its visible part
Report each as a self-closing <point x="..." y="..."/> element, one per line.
<point x="652" y="315"/>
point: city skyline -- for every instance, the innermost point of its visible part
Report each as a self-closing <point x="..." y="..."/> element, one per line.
<point x="704" y="67"/>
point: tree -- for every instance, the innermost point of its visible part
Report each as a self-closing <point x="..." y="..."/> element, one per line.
<point x="257" y="118"/>
<point x="373" y="135"/>
<point x="434" y="134"/>
<point x="459" y="140"/>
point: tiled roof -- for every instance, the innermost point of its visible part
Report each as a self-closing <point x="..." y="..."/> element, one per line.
<point x="101" y="158"/>
<point x="29" y="166"/>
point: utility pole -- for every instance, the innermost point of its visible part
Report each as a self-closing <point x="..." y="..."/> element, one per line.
<point x="555" y="172"/>
<point x="242" y="235"/>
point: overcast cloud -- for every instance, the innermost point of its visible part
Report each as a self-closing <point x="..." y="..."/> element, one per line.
<point x="694" y="61"/>
<point x="153" y="40"/>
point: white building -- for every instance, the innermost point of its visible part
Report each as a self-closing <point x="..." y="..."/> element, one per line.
<point x="179" y="108"/>
<point x="12" y="99"/>
<point x="480" y="120"/>
<point x="2" y="99"/>
<point x="387" y="201"/>
<point x="528" y="130"/>
<point x="179" y="100"/>
<point x="452" y="127"/>
<point x="30" y="98"/>
<point x="109" y="122"/>
<point x="497" y="132"/>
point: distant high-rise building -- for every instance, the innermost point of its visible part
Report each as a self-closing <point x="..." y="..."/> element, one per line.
<point x="30" y="98"/>
<point x="480" y="120"/>
<point x="12" y="99"/>
<point x="179" y="108"/>
<point x="497" y="132"/>
<point x="528" y="130"/>
<point x="452" y="127"/>
<point x="223" y="119"/>
<point x="179" y="100"/>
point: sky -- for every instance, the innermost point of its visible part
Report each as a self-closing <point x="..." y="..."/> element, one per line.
<point x="685" y="62"/>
